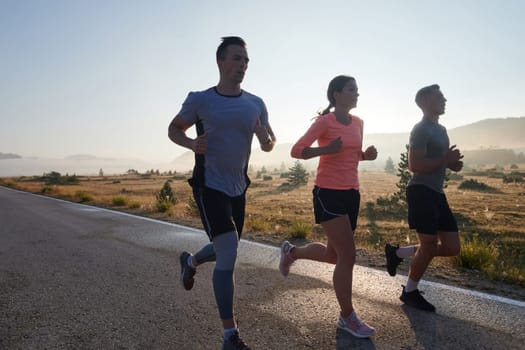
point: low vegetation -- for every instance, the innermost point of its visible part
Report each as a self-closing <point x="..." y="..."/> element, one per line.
<point x="492" y="223"/>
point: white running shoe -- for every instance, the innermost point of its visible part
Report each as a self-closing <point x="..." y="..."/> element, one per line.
<point x="355" y="326"/>
<point x="286" y="258"/>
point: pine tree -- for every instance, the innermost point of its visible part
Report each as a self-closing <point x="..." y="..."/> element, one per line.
<point x="297" y="175"/>
<point x="166" y="194"/>
<point x="404" y="175"/>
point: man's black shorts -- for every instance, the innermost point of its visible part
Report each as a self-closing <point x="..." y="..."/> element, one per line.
<point x="330" y="204"/>
<point x="428" y="211"/>
<point x="219" y="212"/>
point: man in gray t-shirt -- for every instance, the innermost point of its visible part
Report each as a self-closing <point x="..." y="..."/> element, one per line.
<point x="429" y="156"/>
<point x="226" y="118"/>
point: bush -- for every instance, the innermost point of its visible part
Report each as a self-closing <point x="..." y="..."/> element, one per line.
<point x="297" y="176"/>
<point x="475" y="185"/>
<point x="134" y="205"/>
<point x="119" y="201"/>
<point x="259" y="224"/>
<point x="166" y="194"/>
<point x="478" y="255"/>
<point x="47" y="189"/>
<point x="54" y="178"/>
<point x="83" y="196"/>
<point x="300" y="230"/>
<point x="193" y="208"/>
<point x="267" y="178"/>
<point x="163" y="206"/>
<point x="165" y="198"/>
<point x="513" y="177"/>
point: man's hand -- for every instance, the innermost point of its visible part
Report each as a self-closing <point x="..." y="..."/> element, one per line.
<point x="200" y="144"/>
<point x="262" y="132"/>
<point x="456" y="166"/>
<point x="453" y="155"/>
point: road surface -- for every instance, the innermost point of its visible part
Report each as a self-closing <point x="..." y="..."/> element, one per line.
<point x="79" y="277"/>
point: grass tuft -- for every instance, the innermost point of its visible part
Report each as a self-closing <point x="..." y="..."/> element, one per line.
<point x="300" y="230"/>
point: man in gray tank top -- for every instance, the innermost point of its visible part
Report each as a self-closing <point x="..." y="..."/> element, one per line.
<point x="429" y="156"/>
<point x="226" y="118"/>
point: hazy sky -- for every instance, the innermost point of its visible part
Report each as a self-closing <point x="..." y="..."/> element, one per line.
<point x="106" y="77"/>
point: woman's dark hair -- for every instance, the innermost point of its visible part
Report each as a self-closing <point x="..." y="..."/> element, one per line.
<point x="227" y="41"/>
<point x="337" y="84"/>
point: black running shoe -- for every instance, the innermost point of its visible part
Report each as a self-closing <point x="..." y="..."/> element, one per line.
<point x="186" y="272"/>
<point x="415" y="299"/>
<point x="234" y="342"/>
<point x="392" y="260"/>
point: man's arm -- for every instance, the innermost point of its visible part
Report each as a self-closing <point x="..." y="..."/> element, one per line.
<point x="265" y="136"/>
<point x="419" y="163"/>
<point x="177" y="134"/>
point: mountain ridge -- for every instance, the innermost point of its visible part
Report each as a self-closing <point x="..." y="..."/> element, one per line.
<point x="493" y="133"/>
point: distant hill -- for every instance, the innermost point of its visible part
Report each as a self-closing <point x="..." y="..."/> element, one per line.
<point x="86" y="157"/>
<point x="494" y="134"/>
<point x="9" y="156"/>
<point x="491" y="133"/>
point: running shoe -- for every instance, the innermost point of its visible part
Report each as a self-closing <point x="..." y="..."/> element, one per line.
<point x="286" y="258"/>
<point x="186" y="271"/>
<point x="353" y="325"/>
<point x="392" y="260"/>
<point x="415" y="299"/>
<point x="234" y="342"/>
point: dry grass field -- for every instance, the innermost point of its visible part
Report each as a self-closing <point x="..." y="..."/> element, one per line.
<point x="492" y="224"/>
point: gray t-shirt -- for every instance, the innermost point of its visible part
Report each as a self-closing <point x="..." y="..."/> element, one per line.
<point x="229" y="122"/>
<point x="432" y="138"/>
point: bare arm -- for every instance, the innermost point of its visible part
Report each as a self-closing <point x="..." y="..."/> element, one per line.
<point x="265" y="136"/>
<point x="177" y="134"/>
<point x="333" y="147"/>
<point x="419" y="163"/>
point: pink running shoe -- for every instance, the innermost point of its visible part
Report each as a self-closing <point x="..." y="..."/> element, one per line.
<point x="355" y="326"/>
<point x="286" y="258"/>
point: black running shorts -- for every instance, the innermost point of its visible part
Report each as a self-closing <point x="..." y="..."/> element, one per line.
<point x="219" y="212"/>
<point x="330" y="204"/>
<point x="428" y="211"/>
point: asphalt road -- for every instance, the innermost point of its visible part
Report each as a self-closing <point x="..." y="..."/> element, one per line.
<point x="78" y="277"/>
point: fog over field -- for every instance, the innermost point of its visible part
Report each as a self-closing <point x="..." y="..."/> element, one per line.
<point x="490" y="141"/>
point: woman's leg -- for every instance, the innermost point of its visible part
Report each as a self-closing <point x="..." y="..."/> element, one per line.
<point x="316" y="251"/>
<point x="341" y="239"/>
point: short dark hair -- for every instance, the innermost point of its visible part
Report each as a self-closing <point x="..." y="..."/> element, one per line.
<point x="425" y="92"/>
<point x="227" y="41"/>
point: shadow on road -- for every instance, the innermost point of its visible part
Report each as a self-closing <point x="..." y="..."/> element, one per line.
<point x="344" y="340"/>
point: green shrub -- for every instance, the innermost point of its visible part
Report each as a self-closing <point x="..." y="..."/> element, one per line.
<point x="119" y="201"/>
<point x="193" y="208"/>
<point x="475" y="185"/>
<point x="259" y="224"/>
<point x="165" y="198"/>
<point x="47" y="189"/>
<point x="83" y="196"/>
<point x="54" y="178"/>
<point x="134" y="205"/>
<point x="478" y="255"/>
<point x="300" y="230"/>
<point x="513" y="177"/>
<point x="163" y="206"/>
